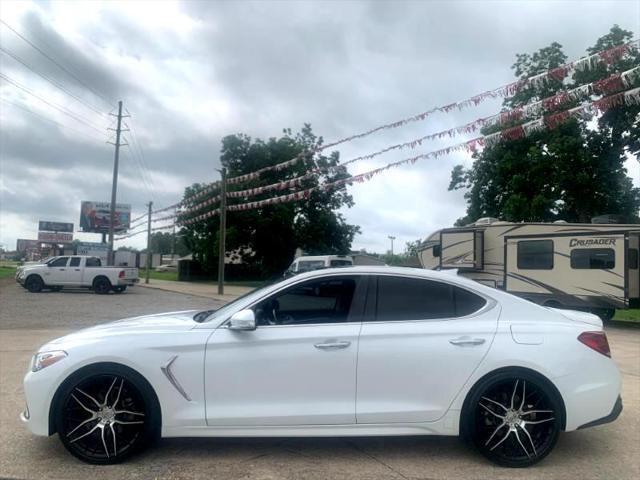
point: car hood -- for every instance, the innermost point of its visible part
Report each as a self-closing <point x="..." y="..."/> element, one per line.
<point x="159" y="323"/>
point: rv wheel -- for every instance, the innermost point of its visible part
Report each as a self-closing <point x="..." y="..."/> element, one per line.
<point x="605" y="314"/>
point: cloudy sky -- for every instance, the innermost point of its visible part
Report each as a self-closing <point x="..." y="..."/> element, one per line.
<point x="192" y="72"/>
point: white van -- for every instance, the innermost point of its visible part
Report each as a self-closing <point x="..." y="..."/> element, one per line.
<point x="306" y="264"/>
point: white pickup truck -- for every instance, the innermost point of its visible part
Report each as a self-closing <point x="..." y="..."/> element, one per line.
<point x="76" y="271"/>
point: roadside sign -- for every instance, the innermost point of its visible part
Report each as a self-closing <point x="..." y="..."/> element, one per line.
<point x="47" y="226"/>
<point x="55" y="237"/>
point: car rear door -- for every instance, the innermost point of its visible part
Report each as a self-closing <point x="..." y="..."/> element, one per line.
<point x="420" y="341"/>
<point x="298" y="367"/>
<point x="73" y="275"/>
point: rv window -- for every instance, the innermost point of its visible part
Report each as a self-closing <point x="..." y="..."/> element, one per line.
<point x="341" y="263"/>
<point x="535" y="255"/>
<point x="633" y="258"/>
<point x="593" y="258"/>
<point x="436" y="250"/>
<point x="401" y="299"/>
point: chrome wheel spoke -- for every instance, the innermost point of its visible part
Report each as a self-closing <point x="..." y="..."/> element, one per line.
<point x="120" y="422"/>
<point x="113" y="434"/>
<point x="495" y="403"/>
<point x="128" y="412"/>
<point x="515" y="431"/>
<point x="96" y="426"/>
<point x="536" y="411"/>
<point x="524" y="394"/>
<point x="513" y="395"/>
<point x="494" y="433"/>
<point x="491" y="411"/>
<point x="119" y="392"/>
<point x="104" y="443"/>
<point x="523" y="428"/>
<point x="89" y="397"/>
<point x="92" y="412"/>
<point x="90" y="419"/>
<point x="536" y="422"/>
<point x="502" y="440"/>
<point x="106" y="397"/>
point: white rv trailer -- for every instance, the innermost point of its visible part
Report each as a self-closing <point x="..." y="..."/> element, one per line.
<point x="573" y="265"/>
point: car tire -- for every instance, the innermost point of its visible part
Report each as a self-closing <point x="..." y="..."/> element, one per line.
<point x="34" y="283"/>
<point x="513" y="418"/>
<point x="101" y="285"/>
<point x="105" y="413"/>
<point x="120" y="289"/>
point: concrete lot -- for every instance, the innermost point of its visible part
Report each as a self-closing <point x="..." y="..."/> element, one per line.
<point x="26" y="321"/>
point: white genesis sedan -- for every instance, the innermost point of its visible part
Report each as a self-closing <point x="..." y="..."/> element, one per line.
<point x="337" y="352"/>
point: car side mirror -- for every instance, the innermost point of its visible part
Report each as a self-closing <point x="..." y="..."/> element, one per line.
<point x="243" y="320"/>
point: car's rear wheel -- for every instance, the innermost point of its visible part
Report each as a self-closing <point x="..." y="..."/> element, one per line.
<point x="101" y="286"/>
<point x="106" y="416"/>
<point x="513" y="420"/>
<point x="34" y="284"/>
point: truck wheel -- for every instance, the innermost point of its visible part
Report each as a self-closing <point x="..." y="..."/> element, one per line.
<point x="101" y="285"/>
<point x="119" y="289"/>
<point x="34" y="284"/>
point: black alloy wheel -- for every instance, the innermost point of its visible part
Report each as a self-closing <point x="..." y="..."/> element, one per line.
<point x="101" y="286"/>
<point x="514" y="421"/>
<point x="104" y="418"/>
<point x="34" y="284"/>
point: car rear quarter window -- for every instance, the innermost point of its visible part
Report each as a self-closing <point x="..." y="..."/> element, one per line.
<point x="402" y="298"/>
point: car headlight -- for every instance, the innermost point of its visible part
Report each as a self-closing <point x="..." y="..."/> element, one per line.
<point x="44" y="359"/>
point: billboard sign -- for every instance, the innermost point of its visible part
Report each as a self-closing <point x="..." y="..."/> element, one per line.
<point x="100" y="250"/>
<point x="55" y="237"/>
<point x="24" y="245"/>
<point x="46" y="226"/>
<point x="95" y="217"/>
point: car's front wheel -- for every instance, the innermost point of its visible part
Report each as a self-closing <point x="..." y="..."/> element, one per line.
<point x="513" y="420"/>
<point x="106" y="415"/>
<point x="34" y="283"/>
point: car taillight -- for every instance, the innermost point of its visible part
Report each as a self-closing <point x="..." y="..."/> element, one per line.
<point x="121" y="274"/>
<point x="596" y="341"/>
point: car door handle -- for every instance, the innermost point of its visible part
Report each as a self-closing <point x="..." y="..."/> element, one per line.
<point x="77" y="269"/>
<point x="332" y="345"/>
<point x="466" y="341"/>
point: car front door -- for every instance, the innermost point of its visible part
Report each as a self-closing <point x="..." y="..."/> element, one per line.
<point x="298" y="367"/>
<point x="56" y="273"/>
<point x="420" y="342"/>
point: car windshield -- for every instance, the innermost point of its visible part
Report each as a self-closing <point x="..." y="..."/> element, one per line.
<point x="221" y="312"/>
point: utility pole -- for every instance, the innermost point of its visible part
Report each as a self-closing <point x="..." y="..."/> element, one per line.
<point x="114" y="184"/>
<point x="392" y="238"/>
<point x="146" y="276"/>
<point x="223" y="228"/>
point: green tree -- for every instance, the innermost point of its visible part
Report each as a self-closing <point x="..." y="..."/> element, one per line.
<point x="572" y="172"/>
<point x="266" y="238"/>
<point x="163" y="243"/>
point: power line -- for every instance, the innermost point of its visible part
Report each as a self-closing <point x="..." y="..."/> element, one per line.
<point x="51" y="81"/>
<point x="66" y="127"/>
<point x="64" y="110"/>
<point x="62" y="67"/>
